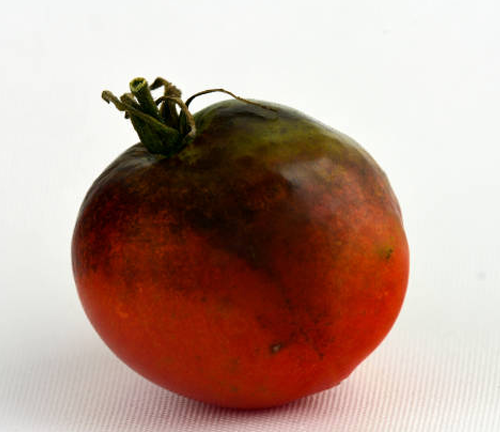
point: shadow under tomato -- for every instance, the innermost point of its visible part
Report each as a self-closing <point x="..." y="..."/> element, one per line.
<point x="84" y="387"/>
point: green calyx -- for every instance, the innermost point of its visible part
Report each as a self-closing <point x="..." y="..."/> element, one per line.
<point x="159" y="126"/>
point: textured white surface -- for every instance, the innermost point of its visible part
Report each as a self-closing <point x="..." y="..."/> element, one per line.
<point x="417" y="84"/>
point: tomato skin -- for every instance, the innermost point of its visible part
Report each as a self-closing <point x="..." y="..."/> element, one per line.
<point x="261" y="264"/>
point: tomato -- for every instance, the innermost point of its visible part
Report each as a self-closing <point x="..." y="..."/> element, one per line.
<point x="250" y="258"/>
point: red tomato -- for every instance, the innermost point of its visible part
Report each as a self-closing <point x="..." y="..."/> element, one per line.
<point x="259" y="261"/>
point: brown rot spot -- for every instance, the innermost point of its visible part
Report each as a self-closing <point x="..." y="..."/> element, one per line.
<point x="385" y="252"/>
<point x="276" y="348"/>
<point x="389" y="254"/>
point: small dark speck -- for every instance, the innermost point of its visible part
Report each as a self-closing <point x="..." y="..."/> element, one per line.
<point x="389" y="253"/>
<point x="275" y="348"/>
<point x="481" y="275"/>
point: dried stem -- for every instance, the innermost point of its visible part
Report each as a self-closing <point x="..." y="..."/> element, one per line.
<point x="162" y="130"/>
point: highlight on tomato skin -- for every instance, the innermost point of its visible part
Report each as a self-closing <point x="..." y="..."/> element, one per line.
<point x="245" y="256"/>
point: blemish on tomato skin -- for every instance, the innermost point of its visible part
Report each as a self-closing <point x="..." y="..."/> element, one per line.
<point x="385" y="253"/>
<point x="275" y="348"/>
<point x="389" y="254"/>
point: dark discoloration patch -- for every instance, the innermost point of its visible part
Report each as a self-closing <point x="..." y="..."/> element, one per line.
<point x="275" y="348"/>
<point x="388" y="254"/>
<point x="231" y="191"/>
<point x="385" y="253"/>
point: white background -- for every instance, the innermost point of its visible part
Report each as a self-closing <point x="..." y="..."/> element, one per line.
<point x="417" y="83"/>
